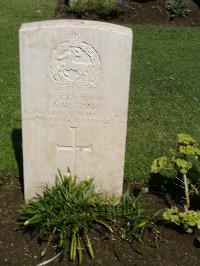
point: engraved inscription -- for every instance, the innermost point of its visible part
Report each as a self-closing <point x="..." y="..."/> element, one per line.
<point x="75" y="64"/>
<point x="74" y="148"/>
<point x="75" y="108"/>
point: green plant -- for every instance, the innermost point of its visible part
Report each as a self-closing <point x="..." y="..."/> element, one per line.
<point x="110" y="8"/>
<point x="189" y="220"/>
<point x="67" y="213"/>
<point x="83" y="6"/>
<point x="182" y="158"/>
<point x="131" y="219"/>
<point x="176" y="9"/>
<point x="103" y="8"/>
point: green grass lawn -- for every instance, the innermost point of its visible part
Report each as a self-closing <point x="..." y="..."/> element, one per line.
<point x="164" y="93"/>
<point x="12" y="14"/>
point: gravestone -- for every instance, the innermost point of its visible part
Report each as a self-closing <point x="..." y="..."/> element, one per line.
<point x="74" y="98"/>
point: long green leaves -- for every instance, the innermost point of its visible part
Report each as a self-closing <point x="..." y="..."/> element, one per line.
<point x="66" y="213"/>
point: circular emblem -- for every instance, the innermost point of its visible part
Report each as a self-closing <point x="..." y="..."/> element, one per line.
<point x="75" y="61"/>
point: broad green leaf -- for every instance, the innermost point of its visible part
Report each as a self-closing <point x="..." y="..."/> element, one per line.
<point x="185" y="139"/>
<point x="171" y="214"/>
<point x="159" y="164"/>
<point x="182" y="165"/>
<point x="189" y="150"/>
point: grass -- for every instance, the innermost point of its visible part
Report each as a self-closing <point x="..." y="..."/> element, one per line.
<point x="12" y="15"/>
<point x="164" y="92"/>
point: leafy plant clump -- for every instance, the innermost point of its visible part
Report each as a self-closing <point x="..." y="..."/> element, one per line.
<point x="189" y="220"/>
<point x="66" y="214"/>
<point x="182" y="159"/>
<point x="176" y="9"/>
<point x="102" y="8"/>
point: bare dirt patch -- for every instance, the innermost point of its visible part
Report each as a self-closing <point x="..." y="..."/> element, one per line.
<point x="141" y="12"/>
<point x="16" y="248"/>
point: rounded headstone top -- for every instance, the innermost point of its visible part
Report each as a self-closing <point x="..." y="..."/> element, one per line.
<point x="74" y="23"/>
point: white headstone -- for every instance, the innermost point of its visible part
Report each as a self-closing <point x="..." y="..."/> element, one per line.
<point x="74" y="92"/>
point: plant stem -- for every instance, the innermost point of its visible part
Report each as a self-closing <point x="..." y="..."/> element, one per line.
<point x="187" y="198"/>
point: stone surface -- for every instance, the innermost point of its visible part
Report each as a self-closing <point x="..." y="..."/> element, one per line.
<point x="74" y="97"/>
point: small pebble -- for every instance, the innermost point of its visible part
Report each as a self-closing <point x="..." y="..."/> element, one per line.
<point x="145" y="189"/>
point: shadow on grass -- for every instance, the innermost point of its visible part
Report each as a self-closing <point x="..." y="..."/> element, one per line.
<point x="17" y="146"/>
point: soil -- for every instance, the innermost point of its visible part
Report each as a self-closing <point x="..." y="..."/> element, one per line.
<point x="142" y="12"/>
<point x="175" y="247"/>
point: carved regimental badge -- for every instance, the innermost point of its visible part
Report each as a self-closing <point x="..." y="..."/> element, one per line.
<point x="75" y="63"/>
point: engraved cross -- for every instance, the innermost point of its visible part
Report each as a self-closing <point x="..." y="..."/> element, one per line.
<point x="74" y="148"/>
